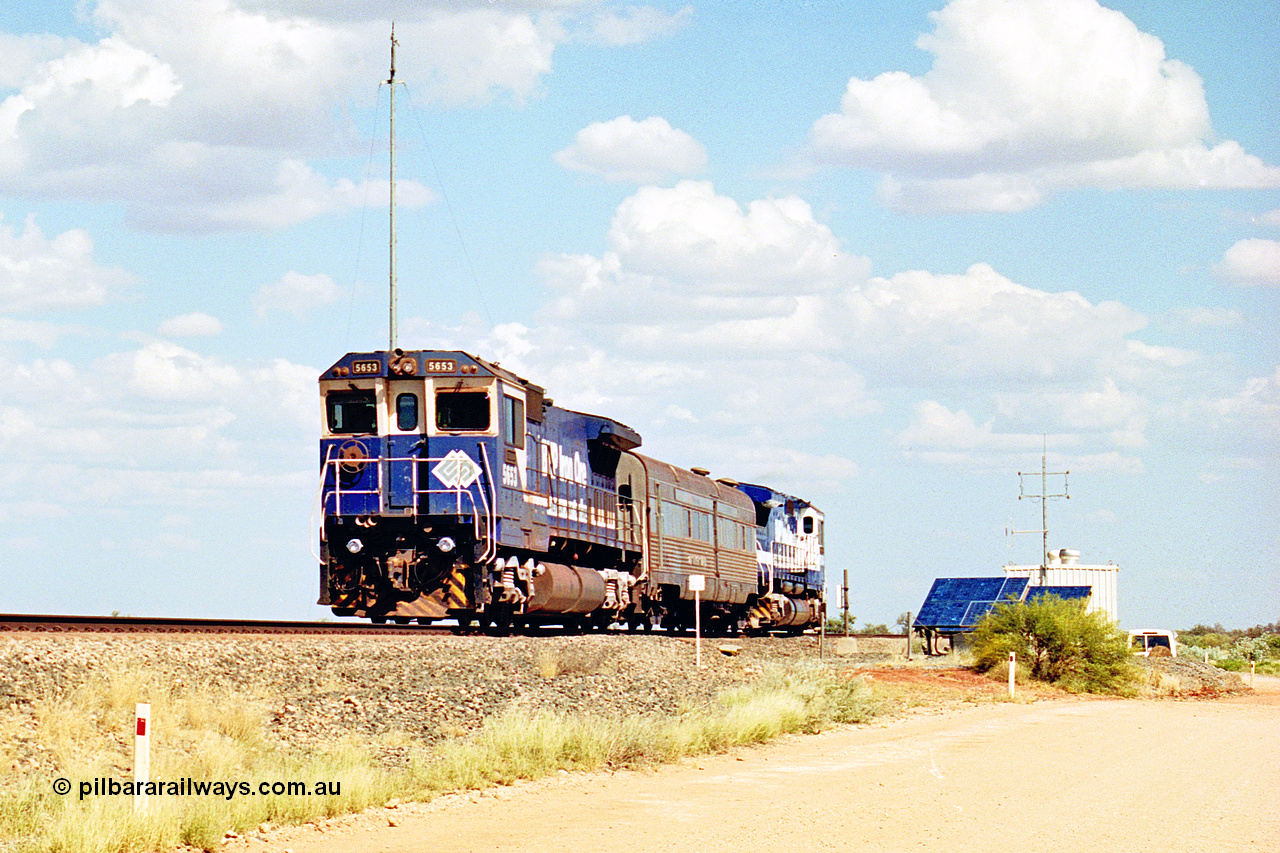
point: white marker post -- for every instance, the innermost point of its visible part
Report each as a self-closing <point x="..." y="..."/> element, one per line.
<point x="141" y="756"/>
<point x="1013" y="669"/>
<point x="697" y="583"/>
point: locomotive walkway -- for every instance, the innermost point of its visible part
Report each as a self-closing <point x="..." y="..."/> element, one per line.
<point x="1062" y="775"/>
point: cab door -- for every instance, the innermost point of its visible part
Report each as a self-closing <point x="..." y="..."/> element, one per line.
<point x="512" y="506"/>
<point x="405" y="440"/>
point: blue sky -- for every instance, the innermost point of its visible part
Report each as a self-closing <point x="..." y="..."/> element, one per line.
<point x="878" y="256"/>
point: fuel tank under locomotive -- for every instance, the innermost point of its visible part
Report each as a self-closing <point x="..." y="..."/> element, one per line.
<point x="788" y="612"/>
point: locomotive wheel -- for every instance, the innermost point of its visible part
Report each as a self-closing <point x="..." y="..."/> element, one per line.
<point x="499" y="623"/>
<point x="378" y="620"/>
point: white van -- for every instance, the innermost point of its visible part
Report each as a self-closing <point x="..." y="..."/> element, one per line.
<point x="1154" y="643"/>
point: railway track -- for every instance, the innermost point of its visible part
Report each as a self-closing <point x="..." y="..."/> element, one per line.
<point x="165" y="625"/>
<point x="48" y="623"/>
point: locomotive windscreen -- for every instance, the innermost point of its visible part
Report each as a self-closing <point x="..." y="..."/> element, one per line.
<point x="462" y="410"/>
<point x="352" y="412"/>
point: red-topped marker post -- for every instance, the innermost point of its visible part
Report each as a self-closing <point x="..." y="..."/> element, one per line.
<point x="141" y="755"/>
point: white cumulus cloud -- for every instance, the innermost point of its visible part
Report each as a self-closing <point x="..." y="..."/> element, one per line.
<point x="634" y="24"/>
<point x="292" y="193"/>
<point x="209" y="114"/>
<point x="753" y="314"/>
<point x="41" y="274"/>
<point x="1027" y="98"/>
<point x="165" y="371"/>
<point x="195" y="325"/>
<point x="691" y="233"/>
<point x="1252" y="261"/>
<point x="623" y="149"/>
<point x="295" y="294"/>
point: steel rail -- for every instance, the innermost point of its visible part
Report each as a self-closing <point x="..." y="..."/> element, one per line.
<point x="165" y="625"/>
<point x="76" y="624"/>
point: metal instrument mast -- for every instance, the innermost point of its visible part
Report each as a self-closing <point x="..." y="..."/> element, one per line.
<point x="391" y="81"/>
<point x="1044" y="497"/>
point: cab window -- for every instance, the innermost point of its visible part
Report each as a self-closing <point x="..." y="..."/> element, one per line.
<point x="352" y="412"/>
<point x="462" y="410"/>
<point x="407" y="412"/>
<point x="513" y="415"/>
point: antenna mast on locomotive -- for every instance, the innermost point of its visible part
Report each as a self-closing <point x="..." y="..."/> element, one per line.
<point x="391" y="81"/>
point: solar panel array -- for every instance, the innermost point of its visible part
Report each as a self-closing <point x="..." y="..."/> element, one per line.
<point x="957" y="604"/>
<point x="1069" y="593"/>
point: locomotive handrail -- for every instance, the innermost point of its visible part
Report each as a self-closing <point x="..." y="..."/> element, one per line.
<point x="637" y="521"/>
<point x="318" y="504"/>
<point x="573" y="505"/>
<point x="336" y="492"/>
<point x="490" y="546"/>
<point x="576" y="506"/>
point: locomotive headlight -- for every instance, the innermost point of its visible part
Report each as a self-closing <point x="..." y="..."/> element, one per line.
<point x="446" y="544"/>
<point x="355" y="546"/>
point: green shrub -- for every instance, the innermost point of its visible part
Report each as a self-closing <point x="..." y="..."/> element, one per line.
<point x="1266" y="667"/>
<point x="836" y="624"/>
<point x="1058" y="642"/>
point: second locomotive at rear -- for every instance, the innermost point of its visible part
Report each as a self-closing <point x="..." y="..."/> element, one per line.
<point x="455" y="489"/>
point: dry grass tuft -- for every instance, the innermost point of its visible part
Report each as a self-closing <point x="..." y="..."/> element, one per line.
<point x="214" y="734"/>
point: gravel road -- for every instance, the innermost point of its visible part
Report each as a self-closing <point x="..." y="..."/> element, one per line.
<point x="1053" y="776"/>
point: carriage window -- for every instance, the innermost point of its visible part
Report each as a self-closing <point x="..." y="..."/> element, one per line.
<point x="675" y="520"/>
<point x="462" y="410"/>
<point x="513" y="414"/>
<point x="732" y="535"/>
<point x="700" y="525"/>
<point x="352" y="412"/>
<point x="407" y="412"/>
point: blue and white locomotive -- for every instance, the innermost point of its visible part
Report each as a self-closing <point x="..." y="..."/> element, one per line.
<point x="454" y="489"/>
